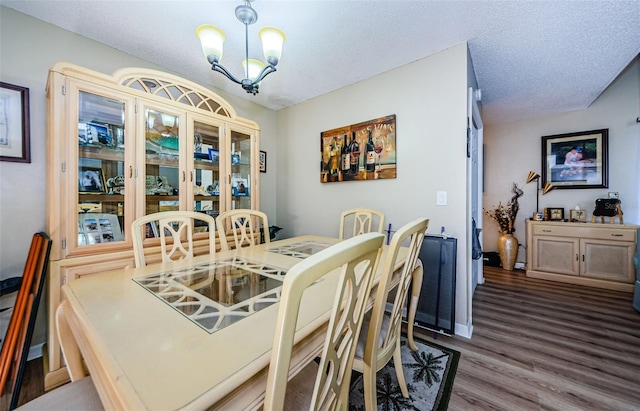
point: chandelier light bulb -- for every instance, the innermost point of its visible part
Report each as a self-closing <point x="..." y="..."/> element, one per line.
<point x="212" y="39"/>
<point x="272" y="40"/>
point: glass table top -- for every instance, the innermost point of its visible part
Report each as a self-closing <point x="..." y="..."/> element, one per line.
<point x="301" y="249"/>
<point x="217" y="294"/>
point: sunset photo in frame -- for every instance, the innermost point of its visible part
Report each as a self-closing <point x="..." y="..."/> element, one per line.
<point x="362" y="151"/>
<point x="576" y="160"/>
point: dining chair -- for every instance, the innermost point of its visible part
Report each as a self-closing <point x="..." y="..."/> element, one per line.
<point x="362" y="220"/>
<point x="324" y="385"/>
<point x="78" y="395"/>
<point x="249" y="227"/>
<point x="379" y="339"/>
<point x="177" y="225"/>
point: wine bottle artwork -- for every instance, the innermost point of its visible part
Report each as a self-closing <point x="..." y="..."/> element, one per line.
<point x="371" y="154"/>
<point x="334" y="160"/>
<point x="345" y="160"/>
<point x="354" y="150"/>
<point x="357" y="152"/>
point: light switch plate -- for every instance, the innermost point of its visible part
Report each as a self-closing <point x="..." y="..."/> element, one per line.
<point x="441" y="198"/>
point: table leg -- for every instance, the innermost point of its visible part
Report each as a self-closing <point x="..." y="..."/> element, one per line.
<point x="416" y="286"/>
<point x="68" y="344"/>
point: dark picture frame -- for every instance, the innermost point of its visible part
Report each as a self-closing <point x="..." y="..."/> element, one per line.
<point x="576" y="160"/>
<point x="15" y="134"/>
<point x="554" y="214"/>
<point x="91" y="180"/>
<point x="262" y="161"/>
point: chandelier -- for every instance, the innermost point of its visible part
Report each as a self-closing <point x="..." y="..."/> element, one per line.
<point x="212" y="38"/>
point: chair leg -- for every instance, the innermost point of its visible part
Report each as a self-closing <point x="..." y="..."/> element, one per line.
<point x="416" y="279"/>
<point x="397" y="362"/>
<point x="370" y="390"/>
<point x="68" y="345"/>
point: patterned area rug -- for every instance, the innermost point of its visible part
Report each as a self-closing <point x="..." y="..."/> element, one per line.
<point x="429" y="373"/>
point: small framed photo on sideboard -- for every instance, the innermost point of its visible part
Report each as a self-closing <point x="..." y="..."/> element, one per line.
<point x="578" y="216"/>
<point x="554" y="214"/>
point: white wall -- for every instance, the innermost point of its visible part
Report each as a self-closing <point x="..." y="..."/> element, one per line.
<point x="513" y="149"/>
<point x="28" y="48"/>
<point x="428" y="98"/>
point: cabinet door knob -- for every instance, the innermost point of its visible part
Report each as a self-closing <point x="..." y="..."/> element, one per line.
<point x="546" y="231"/>
<point x="577" y="257"/>
<point x="616" y="235"/>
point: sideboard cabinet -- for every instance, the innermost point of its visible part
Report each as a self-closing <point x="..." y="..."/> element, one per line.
<point x="596" y="255"/>
<point x="126" y="145"/>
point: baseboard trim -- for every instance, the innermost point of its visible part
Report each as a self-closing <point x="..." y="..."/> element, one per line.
<point x="35" y="351"/>
<point x="463" y="330"/>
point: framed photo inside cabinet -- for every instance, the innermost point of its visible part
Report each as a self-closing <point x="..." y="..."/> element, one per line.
<point x="363" y="151"/>
<point x="240" y="186"/>
<point x="15" y="143"/>
<point x="98" y="228"/>
<point x="554" y="214"/>
<point x="91" y="180"/>
<point x="576" y="160"/>
<point x="214" y="155"/>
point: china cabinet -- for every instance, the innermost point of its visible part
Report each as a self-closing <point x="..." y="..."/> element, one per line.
<point x="126" y="145"/>
<point x="595" y="255"/>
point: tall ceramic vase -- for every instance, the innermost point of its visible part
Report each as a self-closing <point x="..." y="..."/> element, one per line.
<point x="508" y="250"/>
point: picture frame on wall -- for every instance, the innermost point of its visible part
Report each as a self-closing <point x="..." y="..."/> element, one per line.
<point x="361" y="151"/>
<point x="15" y="145"/>
<point x="576" y="160"/>
<point x="263" y="161"/>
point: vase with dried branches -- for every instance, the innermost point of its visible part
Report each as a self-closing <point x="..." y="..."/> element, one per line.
<point x="506" y="218"/>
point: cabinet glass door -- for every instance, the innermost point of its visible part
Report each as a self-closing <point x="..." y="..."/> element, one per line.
<point x="206" y="161"/>
<point x="162" y="161"/>
<point x="241" y="160"/>
<point x="101" y="169"/>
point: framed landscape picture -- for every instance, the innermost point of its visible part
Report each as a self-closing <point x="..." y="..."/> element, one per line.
<point x="14" y="127"/>
<point x="576" y="160"/>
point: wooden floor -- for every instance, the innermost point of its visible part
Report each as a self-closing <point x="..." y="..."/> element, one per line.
<point x="536" y="345"/>
<point x="541" y="345"/>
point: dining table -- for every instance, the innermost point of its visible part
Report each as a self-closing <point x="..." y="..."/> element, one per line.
<point x="196" y="333"/>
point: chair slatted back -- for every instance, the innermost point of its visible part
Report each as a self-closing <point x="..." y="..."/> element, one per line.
<point x="362" y="220"/>
<point x="376" y="350"/>
<point x="175" y="229"/>
<point x="357" y="261"/>
<point x="248" y="227"/>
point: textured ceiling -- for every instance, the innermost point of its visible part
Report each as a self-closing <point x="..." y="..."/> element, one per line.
<point x="531" y="57"/>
